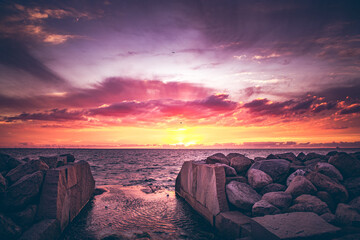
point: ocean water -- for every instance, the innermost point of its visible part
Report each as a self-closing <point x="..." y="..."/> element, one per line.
<point x="133" y="211"/>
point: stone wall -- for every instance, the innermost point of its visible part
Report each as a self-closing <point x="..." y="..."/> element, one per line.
<point x="282" y="196"/>
<point x="39" y="198"/>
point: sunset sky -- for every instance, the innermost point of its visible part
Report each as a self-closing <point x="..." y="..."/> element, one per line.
<point x="177" y="74"/>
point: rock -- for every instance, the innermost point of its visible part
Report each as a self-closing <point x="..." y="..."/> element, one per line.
<point x="259" y="159"/>
<point x="273" y="187"/>
<point x="232" y="224"/>
<point x="287" y="156"/>
<point x="65" y="192"/>
<point x="281" y="200"/>
<point x="237" y="178"/>
<point x="332" y="153"/>
<point x="271" y="156"/>
<point x="232" y="155"/>
<point x="300" y="185"/>
<point x="229" y="171"/>
<point x="3" y="184"/>
<point x="241" y="195"/>
<point x="329" y="217"/>
<point x="217" y="158"/>
<point x="277" y="169"/>
<point x="258" y="179"/>
<point x="203" y="187"/>
<point x="347" y="164"/>
<point x="26" y="217"/>
<point x="309" y="203"/>
<point x="328" y="170"/>
<point x="347" y="215"/>
<point x="240" y="163"/>
<point x="312" y="163"/>
<point x="355" y="155"/>
<point x="50" y="161"/>
<point x="322" y="182"/>
<point x="44" y="230"/>
<point x="8" y="229"/>
<point x="355" y="236"/>
<point x="24" y="191"/>
<point x="301" y="157"/>
<point x="263" y="207"/>
<point x="7" y="162"/>
<point x="299" y="172"/>
<point x="69" y="157"/>
<point x="297" y="225"/>
<point x="26" y="168"/>
<point x="326" y="198"/>
<point x="353" y="186"/>
<point x="355" y="203"/>
<point x="313" y="155"/>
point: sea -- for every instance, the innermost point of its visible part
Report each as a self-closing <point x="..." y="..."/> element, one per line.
<point x="140" y="202"/>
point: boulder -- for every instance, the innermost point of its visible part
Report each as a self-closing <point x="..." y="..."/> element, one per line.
<point x="324" y="183"/>
<point x="240" y="163"/>
<point x="301" y="157"/>
<point x="69" y="157"/>
<point x="7" y="162"/>
<point x="26" y="168"/>
<point x="312" y="163"/>
<point x="326" y="198"/>
<point x="281" y="200"/>
<point x="3" y="184"/>
<point x="353" y="186"/>
<point x="44" y="230"/>
<point x="217" y="158"/>
<point x="287" y="156"/>
<point x="24" y="191"/>
<point x="300" y="185"/>
<point x="329" y="217"/>
<point x="50" y="161"/>
<point x="25" y="218"/>
<point x="263" y="207"/>
<point x="347" y="215"/>
<point x="313" y="155"/>
<point x="236" y="178"/>
<point x="277" y="169"/>
<point x="229" y="171"/>
<point x="355" y="236"/>
<point x="297" y="225"/>
<point x="273" y="187"/>
<point x="299" y="172"/>
<point x="258" y="179"/>
<point x="328" y="170"/>
<point x="309" y="203"/>
<point x="355" y="203"/>
<point x="347" y="164"/>
<point x="259" y="159"/>
<point x="231" y="155"/>
<point x="241" y="195"/>
<point x="8" y="229"/>
<point x="331" y="153"/>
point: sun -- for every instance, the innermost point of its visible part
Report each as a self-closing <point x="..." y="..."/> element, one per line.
<point x="182" y="137"/>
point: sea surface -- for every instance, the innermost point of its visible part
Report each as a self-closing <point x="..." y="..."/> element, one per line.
<point x="132" y="210"/>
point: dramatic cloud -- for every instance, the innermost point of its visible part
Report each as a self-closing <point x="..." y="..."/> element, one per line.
<point x="52" y="115"/>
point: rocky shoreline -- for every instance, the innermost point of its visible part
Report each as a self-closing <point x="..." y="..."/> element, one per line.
<point x="40" y="197"/>
<point x="282" y="196"/>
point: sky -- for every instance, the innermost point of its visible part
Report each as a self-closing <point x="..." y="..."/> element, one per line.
<point x="179" y="74"/>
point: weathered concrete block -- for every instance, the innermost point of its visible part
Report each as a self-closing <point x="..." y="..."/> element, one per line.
<point x="232" y="224"/>
<point x="203" y="187"/>
<point x="26" y="168"/>
<point x="44" y="230"/>
<point x="65" y="192"/>
<point x="299" y="225"/>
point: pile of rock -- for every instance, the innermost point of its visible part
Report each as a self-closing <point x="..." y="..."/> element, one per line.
<point x="328" y="185"/>
<point x="21" y="191"/>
